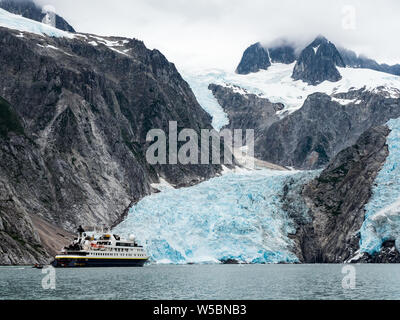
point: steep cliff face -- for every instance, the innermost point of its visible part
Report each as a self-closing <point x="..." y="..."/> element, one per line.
<point x="28" y="9"/>
<point x="318" y="62"/>
<point x="310" y="137"/>
<point x="16" y="230"/>
<point x="255" y="58"/>
<point x="284" y="53"/>
<point x="246" y="111"/>
<point x="336" y="200"/>
<point x="80" y="110"/>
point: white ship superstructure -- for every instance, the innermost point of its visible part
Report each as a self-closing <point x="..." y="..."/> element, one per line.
<point x="105" y="250"/>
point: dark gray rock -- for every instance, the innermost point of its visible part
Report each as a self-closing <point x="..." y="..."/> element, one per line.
<point x="254" y="59"/>
<point x="28" y="9"/>
<point x="336" y="200"/>
<point x="317" y="63"/>
<point x="282" y="54"/>
<point x="257" y="57"/>
<point x="351" y="59"/>
<point x="311" y="136"/>
<point x="73" y="152"/>
<point x="246" y="111"/>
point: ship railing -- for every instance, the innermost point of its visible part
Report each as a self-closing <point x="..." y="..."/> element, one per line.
<point x="77" y="252"/>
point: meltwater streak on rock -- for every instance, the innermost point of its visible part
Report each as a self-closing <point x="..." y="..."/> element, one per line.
<point x="235" y="216"/>
<point x="382" y="217"/>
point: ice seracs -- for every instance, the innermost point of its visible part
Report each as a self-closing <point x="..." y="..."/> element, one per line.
<point x="237" y="216"/>
<point x="382" y="217"/>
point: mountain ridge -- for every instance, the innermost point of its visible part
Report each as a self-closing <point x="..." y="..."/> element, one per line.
<point x="318" y="62"/>
<point x="28" y="9"/>
<point x="85" y="104"/>
<point x="287" y="53"/>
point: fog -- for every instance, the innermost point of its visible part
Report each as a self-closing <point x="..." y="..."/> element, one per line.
<point x="214" y="33"/>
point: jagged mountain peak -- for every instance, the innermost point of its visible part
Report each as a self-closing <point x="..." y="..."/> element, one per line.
<point x="260" y="57"/>
<point x="318" y="62"/>
<point x="320" y="39"/>
<point x="255" y="58"/>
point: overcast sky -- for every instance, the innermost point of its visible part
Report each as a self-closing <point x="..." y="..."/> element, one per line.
<point x="214" y="33"/>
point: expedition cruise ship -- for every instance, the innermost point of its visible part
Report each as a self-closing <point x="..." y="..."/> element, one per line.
<point x="106" y="250"/>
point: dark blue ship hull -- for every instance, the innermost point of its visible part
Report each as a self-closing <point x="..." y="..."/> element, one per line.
<point x="96" y="262"/>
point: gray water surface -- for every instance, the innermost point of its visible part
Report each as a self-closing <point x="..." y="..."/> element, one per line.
<point x="224" y="282"/>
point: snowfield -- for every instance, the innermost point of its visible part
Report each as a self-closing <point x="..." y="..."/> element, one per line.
<point x="277" y="85"/>
<point x="16" y="22"/>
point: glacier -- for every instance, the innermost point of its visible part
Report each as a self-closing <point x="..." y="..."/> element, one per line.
<point x="16" y="22"/>
<point x="199" y="85"/>
<point x="234" y="216"/>
<point x="382" y="216"/>
<point x="277" y="85"/>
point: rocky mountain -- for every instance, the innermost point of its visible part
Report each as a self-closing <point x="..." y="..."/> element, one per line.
<point x="254" y="59"/>
<point x="257" y="57"/>
<point x="318" y="62"/>
<point x="30" y="10"/>
<point x="336" y="200"/>
<point x="282" y="53"/>
<point x="75" y="111"/>
<point x="311" y="136"/>
<point x="313" y="65"/>
<point x="246" y="110"/>
<point x="351" y="59"/>
<point x="349" y="213"/>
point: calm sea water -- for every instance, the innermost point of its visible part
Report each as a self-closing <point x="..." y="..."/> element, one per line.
<point x="225" y="282"/>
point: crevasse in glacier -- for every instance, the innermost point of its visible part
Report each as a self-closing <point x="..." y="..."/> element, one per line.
<point x="382" y="216"/>
<point x="234" y="216"/>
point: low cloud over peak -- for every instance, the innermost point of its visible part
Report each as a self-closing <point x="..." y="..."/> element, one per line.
<point x="214" y="33"/>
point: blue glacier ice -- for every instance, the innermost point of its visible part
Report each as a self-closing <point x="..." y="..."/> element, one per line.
<point x="234" y="216"/>
<point x="382" y="217"/>
<point x="199" y="85"/>
<point x="13" y="21"/>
